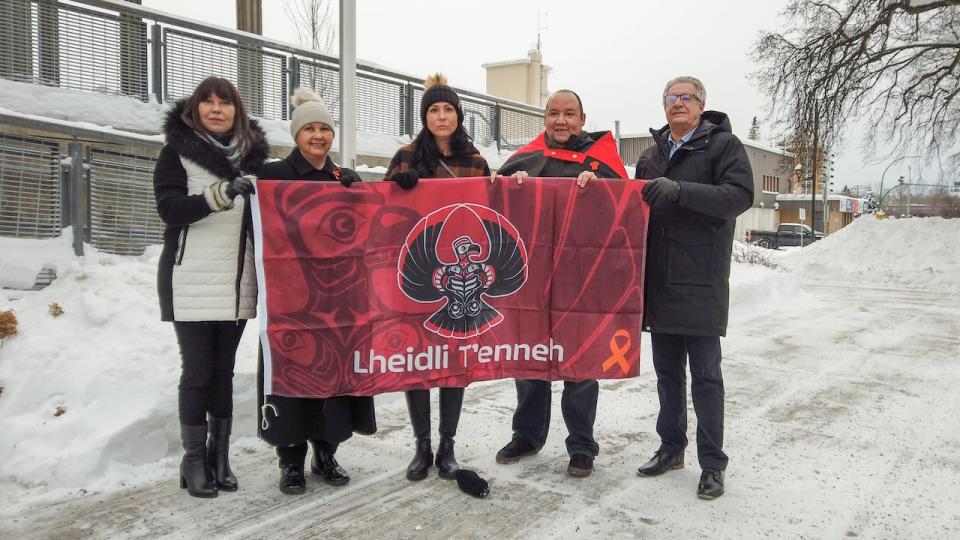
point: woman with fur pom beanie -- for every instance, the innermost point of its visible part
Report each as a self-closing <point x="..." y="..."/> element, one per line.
<point x="285" y="422"/>
<point x="442" y="149"/>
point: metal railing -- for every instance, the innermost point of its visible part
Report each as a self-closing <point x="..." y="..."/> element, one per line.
<point x="30" y="194"/>
<point x="102" y="186"/>
<point x="100" y="182"/>
<point x="113" y="47"/>
<point x="123" y="215"/>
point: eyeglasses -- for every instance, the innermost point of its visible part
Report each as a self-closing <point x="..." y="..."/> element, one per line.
<point x="670" y="99"/>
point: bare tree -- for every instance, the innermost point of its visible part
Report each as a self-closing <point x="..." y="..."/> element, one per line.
<point x="312" y="21"/>
<point x="895" y="63"/>
<point x="316" y="30"/>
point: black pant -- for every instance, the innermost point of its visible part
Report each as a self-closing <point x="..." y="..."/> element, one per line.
<point x="578" y="405"/>
<point x="208" y="352"/>
<point x="418" y="405"/>
<point x="670" y="353"/>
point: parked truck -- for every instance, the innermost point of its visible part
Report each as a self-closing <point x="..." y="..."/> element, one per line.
<point x="787" y="234"/>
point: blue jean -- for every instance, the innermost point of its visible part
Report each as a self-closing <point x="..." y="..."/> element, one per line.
<point x="531" y="421"/>
<point x="670" y="353"/>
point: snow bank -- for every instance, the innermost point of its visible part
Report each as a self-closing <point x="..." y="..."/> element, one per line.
<point x="92" y="393"/>
<point x="912" y="253"/>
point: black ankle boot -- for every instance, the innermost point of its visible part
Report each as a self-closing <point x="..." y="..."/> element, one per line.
<point x="325" y="464"/>
<point x="218" y="451"/>
<point x="292" y="479"/>
<point x="447" y="465"/>
<point x="422" y="460"/>
<point x="194" y="474"/>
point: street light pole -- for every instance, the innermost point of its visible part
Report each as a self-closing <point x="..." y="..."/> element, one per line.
<point x="882" y="176"/>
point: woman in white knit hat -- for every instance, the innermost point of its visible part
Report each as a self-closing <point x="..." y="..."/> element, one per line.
<point x="285" y="422"/>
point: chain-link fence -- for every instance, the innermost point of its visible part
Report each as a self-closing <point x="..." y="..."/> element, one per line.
<point x="103" y="47"/>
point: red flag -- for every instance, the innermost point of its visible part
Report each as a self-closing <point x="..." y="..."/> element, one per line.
<point x="372" y="289"/>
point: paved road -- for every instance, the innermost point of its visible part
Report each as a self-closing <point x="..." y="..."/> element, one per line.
<point x="842" y="421"/>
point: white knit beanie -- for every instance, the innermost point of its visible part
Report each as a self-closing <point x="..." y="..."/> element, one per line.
<point x="308" y="107"/>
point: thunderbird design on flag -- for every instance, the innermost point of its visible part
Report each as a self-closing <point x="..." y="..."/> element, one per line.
<point x="489" y="261"/>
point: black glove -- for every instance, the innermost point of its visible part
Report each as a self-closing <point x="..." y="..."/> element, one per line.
<point x="661" y="188"/>
<point x="348" y="177"/>
<point x="407" y="179"/>
<point x="240" y="185"/>
<point x="471" y="483"/>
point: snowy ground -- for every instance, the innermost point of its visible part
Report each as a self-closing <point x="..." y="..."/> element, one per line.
<point x="840" y="368"/>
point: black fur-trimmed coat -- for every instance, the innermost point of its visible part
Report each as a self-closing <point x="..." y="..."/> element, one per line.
<point x="206" y="270"/>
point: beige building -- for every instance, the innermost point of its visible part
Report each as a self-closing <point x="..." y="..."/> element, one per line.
<point x="522" y="80"/>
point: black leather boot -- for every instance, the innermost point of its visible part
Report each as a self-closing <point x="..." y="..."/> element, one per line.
<point x="292" y="479"/>
<point x="218" y="451"/>
<point x="194" y="474"/>
<point x="418" y="405"/>
<point x="451" y="401"/>
<point x="325" y="464"/>
<point x="447" y="465"/>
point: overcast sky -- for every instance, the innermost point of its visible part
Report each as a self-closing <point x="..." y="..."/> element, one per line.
<point x="616" y="54"/>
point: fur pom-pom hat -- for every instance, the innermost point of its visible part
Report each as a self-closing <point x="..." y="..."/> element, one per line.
<point x="308" y="107"/>
<point x="436" y="90"/>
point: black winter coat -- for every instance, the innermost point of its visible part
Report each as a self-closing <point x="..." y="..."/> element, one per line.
<point x="180" y="210"/>
<point x="687" y="290"/>
<point x="295" y="420"/>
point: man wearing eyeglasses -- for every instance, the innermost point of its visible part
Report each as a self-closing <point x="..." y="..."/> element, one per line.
<point x="700" y="181"/>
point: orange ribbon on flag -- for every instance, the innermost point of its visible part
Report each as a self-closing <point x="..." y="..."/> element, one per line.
<point x="618" y="352"/>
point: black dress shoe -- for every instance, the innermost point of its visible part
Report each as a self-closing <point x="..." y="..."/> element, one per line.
<point x="292" y="480"/>
<point x="517" y="448"/>
<point x="711" y="484"/>
<point x="660" y="463"/>
<point x="581" y="465"/>
<point x="326" y="466"/>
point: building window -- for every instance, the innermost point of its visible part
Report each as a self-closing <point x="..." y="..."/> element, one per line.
<point x="771" y="184"/>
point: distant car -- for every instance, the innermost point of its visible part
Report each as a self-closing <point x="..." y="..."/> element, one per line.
<point x="787" y="234"/>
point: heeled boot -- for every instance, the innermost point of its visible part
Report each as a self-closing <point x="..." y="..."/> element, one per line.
<point x="451" y="401"/>
<point x="194" y="473"/>
<point x="418" y="405"/>
<point x="218" y="453"/>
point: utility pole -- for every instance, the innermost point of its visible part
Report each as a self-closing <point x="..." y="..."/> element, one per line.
<point x="816" y="168"/>
<point x="909" y="194"/>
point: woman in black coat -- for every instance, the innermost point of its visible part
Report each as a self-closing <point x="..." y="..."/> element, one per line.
<point x="287" y="422"/>
<point x="205" y="280"/>
<point x="442" y="149"/>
